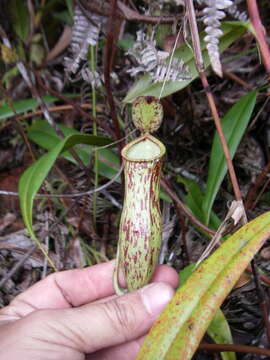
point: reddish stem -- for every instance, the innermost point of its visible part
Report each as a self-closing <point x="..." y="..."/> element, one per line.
<point x="234" y="348"/>
<point x="253" y="190"/>
<point x="221" y="135"/>
<point x="109" y="50"/>
<point x="260" y="33"/>
<point x="182" y="208"/>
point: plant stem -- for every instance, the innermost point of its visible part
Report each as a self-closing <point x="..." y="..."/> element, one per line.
<point x="262" y="299"/>
<point x="210" y="97"/>
<point x="75" y="106"/>
<point x="260" y="33"/>
<point x="109" y="52"/>
<point x="182" y="208"/>
<point x="235" y="348"/>
<point x="94" y="113"/>
<point x="125" y="12"/>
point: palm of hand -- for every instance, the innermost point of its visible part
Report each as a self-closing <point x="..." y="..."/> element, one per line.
<point x="73" y="313"/>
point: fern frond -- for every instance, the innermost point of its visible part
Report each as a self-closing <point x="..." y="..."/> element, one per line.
<point x="91" y="77"/>
<point x="153" y="62"/>
<point x="85" y="32"/>
<point x="177" y="71"/>
<point x="235" y="13"/>
<point x="213" y="13"/>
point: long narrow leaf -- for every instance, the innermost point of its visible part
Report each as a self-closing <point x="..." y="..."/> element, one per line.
<point x="218" y="329"/>
<point x="234" y="125"/>
<point x="194" y="200"/>
<point x="220" y="332"/>
<point x="181" y="326"/>
<point x="33" y="177"/>
<point x="145" y="87"/>
<point x="45" y="136"/>
<point x="22" y="106"/>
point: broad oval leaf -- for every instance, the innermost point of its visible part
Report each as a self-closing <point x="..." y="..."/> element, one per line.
<point x="179" y="329"/>
<point x="33" y="177"/>
<point x="234" y="125"/>
<point x="145" y="87"/>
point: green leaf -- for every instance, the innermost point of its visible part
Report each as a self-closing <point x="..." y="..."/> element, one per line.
<point x="44" y="135"/>
<point x="22" y="106"/>
<point x="218" y="329"/>
<point x="70" y="8"/>
<point x="186" y="273"/>
<point x="7" y="79"/>
<point x="145" y="87"/>
<point x="234" y="125"/>
<point x="33" y="177"/>
<point x="180" y="327"/>
<point x="220" y="332"/>
<point x="20" y="19"/>
<point x="194" y="201"/>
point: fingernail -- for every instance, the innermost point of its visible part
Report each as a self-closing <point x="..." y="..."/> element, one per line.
<point x="156" y="296"/>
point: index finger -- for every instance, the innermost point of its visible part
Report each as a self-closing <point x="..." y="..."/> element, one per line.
<point x="77" y="287"/>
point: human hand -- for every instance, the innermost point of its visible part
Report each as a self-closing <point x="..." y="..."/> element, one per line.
<point x="74" y="315"/>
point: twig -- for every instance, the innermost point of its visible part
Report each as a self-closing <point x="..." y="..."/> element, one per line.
<point x="30" y="79"/>
<point x="182" y="208"/>
<point x="79" y="194"/>
<point x="210" y="98"/>
<point x="260" y="193"/>
<point x="17" y="123"/>
<point x="31" y="250"/>
<point x="58" y="108"/>
<point x="234" y="348"/>
<point x="75" y="106"/>
<point x="260" y="33"/>
<point x="237" y="79"/>
<point x="108" y="67"/>
<point x="258" y="113"/>
<point x="17" y="266"/>
<point x="263" y="278"/>
<point x="262" y="300"/>
<point x="126" y="13"/>
<point x="253" y="189"/>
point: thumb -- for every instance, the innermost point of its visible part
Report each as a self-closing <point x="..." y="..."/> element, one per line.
<point x="95" y="326"/>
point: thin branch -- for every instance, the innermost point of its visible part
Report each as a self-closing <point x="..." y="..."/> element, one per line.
<point x="16" y="122"/>
<point x="109" y="50"/>
<point x="58" y="108"/>
<point x="262" y="278"/>
<point x="235" y="348"/>
<point x="32" y="248"/>
<point x="79" y="194"/>
<point x="17" y="266"/>
<point x="126" y="13"/>
<point x="238" y="80"/>
<point x="253" y="189"/>
<point x="182" y="208"/>
<point x="262" y="299"/>
<point x="260" y="33"/>
<point x="76" y="106"/>
<point x="210" y="97"/>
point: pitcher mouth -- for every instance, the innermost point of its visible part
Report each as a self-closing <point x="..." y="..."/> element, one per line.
<point x="144" y="148"/>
